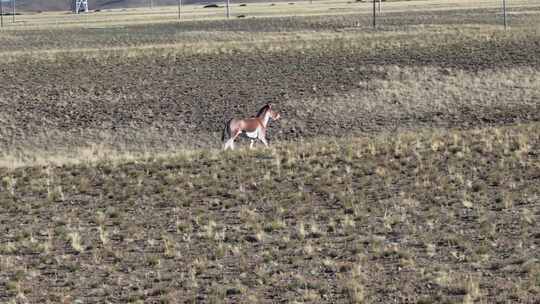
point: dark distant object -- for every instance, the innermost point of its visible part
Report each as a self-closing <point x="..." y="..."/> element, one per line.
<point x="504" y="14"/>
<point x="241" y="16"/>
<point x="243" y="4"/>
<point x="359" y="0"/>
<point x="213" y="5"/>
<point x="272" y="4"/>
<point x="292" y="3"/>
<point x="97" y="11"/>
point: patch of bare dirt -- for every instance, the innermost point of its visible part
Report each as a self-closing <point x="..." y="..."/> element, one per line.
<point x="170" y="99"/>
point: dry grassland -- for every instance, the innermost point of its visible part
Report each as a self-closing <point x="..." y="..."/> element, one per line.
<point x="405" y="169"/>
<point x="164" y="14"/>
<point x="430" y="217"/>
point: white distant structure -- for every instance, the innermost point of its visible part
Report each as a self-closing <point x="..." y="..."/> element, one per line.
<point x="80" y="6"/>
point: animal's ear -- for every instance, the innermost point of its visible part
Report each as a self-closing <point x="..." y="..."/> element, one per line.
<point x="269" y="105"/>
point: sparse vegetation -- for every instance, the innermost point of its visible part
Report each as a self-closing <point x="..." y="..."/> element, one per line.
<point x="405" y="169"/>
<point x="409" y="224"/>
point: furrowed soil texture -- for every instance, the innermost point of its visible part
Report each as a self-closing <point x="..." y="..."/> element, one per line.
<point x="405" y="168"/>
<point x="185" y="100"/>
<point x="423" y="217"/>
<point x="353" y="81"/>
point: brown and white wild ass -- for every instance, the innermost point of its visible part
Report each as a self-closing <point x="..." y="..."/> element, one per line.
<point x="254" y="127"/>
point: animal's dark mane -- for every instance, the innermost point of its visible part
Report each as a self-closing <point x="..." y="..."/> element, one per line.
<point x="262" y="110"/>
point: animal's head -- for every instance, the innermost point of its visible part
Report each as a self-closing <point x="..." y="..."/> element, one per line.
<point x="275" y="115"/>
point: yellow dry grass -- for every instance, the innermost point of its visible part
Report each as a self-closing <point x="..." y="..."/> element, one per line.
<point x="164" y="14"/>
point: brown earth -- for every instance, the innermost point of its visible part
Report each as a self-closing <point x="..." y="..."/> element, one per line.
<point x="443" y="211"/>
<point x="425" y="217"/>
<point x="187" y="31"/>
<point x="173" y="99"/>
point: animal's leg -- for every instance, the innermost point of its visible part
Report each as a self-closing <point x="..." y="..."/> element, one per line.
<point x="234" y="137"/>
<point x="264" y="142"/>
<point x="262" y="137"/>
<point x="251" y="144"/>
<point x="229" y="144"/>
<point x="226" y="144"/>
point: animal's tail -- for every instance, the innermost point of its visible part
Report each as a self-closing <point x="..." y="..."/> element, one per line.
<point x="226" y="131"/>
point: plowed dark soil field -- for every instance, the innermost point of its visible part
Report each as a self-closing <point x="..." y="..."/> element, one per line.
<point x="185" y="99"/>
<point x="405" y="168"/>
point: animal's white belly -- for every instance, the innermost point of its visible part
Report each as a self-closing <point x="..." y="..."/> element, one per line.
<point x="253" y="134"/>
